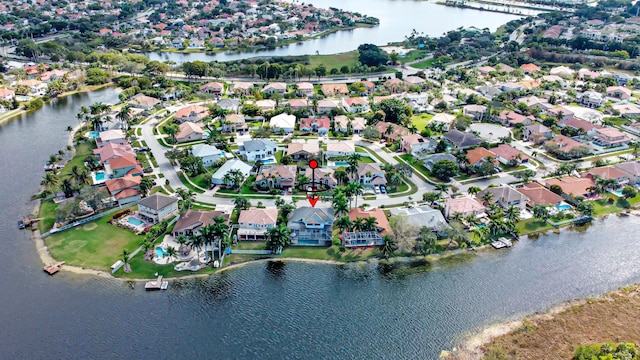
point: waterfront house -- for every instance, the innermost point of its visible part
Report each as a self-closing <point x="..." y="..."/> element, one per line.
<point x="324" y="176"/>
<point x="311" y="226"/>
<point x="189" y="131"/>
<point x="118" y="167"/>
<point x="390" y="131"/>
<point x="283" y="122"/>
<point x="233" y="164"/>
<point x="193" y="220"/>
<point x="355" y="105"/>
<point x="420" y="216"/>
<point x="343" y="124"/>
<point x="110" y="137"/>
<point x="111" y="151"/>
<point x="539" y="195"/>
<point x="317" y="125"/>
<point x="371" y="175"/>
<point x="631" y="170"/>
<point x="7" y="94"/>
<point x="254" y="223"/>
<point x="215" y="88"/>
<point x="462" y="140"/>
<point x="618" y="92"/>
<point x="572" y="186"/>
<point x="416" y="144"/>
<point x="351" y="239"/>
<point x="508" y="155"/>
<point x="257" y="149"/>
<point x="610" y="137"/>
<point x="537" y="133"/>
<point x="157" y="208"/>
<point x="209" y="154"/>
<point x="464" y="206"/>
<point x="191" y="113"/>
<point x="340" y="148"/>
<point x="144" y="102"/>
<point x="505" y="196"/>
<point x="432" y="159"/>
<point x="303" y="151"/>
<point x="277" y="176"/>
<point x="125" y="190"/>
<point x="608" y="173"/>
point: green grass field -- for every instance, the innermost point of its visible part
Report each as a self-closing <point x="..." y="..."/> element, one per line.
<point x="412" y="56"/>
<point x="335" y="61"/>
<point x="424" y="64"/>
<point x="420" y="121"/>
<point x="532" y="225"/>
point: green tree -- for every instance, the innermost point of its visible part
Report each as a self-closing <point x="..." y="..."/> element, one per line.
<point x="629" y="192"/>
<point x="426" y="241"/>
<point x="586" y="209"/>
<point x="145" y="185"/>
<point x="388" y="246"/>
<point x="444" y="169"/>
<point x="241" y="203"/>
<point x="278" y="238"/>
<point x="396" y="111"/>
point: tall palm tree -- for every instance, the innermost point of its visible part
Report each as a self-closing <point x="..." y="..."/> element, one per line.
<point x="473" y="190"/>
<point x="195" y="241"/>
<point x="50" y="180"/>
<point x="442" y="188"/>
<point x="188" y="196"/>
<point x="357" y="189"/>
<point x="339" y="204"/>
<point x="370" y="224"/>
<point x="208" y="236"/>
<point x="79" y="175"/>
<point x="171" y="253"/>
<point x="124" y="257"/>
<point x="540" y="212"/>
<point x="344" y="223"/>
<point x="278" y="238"/>
<point x="426" y="241"/>
<point x="241" y="203"/>
<point x="487" y="197"/>
<point x="67" y="187"/>
<point x="124" y="115"/>
<point x="388" y="246"/>
<point x="182" y="240"/>
<point x="341" y="176"/>
<point x="513" y="213"/>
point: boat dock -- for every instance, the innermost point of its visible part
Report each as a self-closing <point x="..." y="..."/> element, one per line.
<point x="53" y="268"/>
<point x="502" y="243"/>
<point x="157" y="284"/>
<point x="28" y="221"/>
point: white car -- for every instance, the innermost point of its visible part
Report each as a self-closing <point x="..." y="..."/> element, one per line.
<point x="376" y="190"/>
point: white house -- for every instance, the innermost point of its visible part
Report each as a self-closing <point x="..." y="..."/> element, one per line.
<point x="234" y="164"/>
<point x="157" y="208"/>
<point x="110" y="137"/>
<point x="208" y="153"/>
<point x="414" y="144"/>
<point x="355" y="105"/>
<point x="340" y="148"/>
<point x="283" y="122"/>
<point x="258" y="149"/>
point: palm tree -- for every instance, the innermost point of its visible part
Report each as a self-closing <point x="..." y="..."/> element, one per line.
<point x="79" y="176"/>
<point x="513" y="213"/>
<point x="425" y="241"/>
<point x="188" y="196"/>
<point x="344" y="223"/>
<point x="124" y="115"/>
<point x="471" y="219"/>
<point x="278" y="238"/>
<point x="195" y="242"/>
<point x="483" y="233"/>
<point x="357" y="189"/>
<point x="442" y="188"/>
<point x="339" y="204"/>
<point x="370" y="224"/>
<point x="358" y="224"/>
<point x="395" y="180"/>
<point x="474" y="190"/>
<point x="145" y="185"/>
<point x="341" y="176"/>
<point x="171" y="253"/>
<point x="241" y="203"/>
<point x="50" y="180"/>
<point x="388" y="246"/>
<point x="181" y="240"/>
<point x="487" y="197"/>
<point x="67" y="187"/>
<point x="541" y="212"/>
<point x="124" y="257"/>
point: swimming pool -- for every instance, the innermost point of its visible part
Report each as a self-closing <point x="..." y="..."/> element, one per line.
<point x="341" y="163"/>
<point x="100" y="176"/>
<point x="93" y="134"/>
<point x="135" y="222"/>
<point x="563" y="207"/>
<point x="268" y="161"/>
<point x="160" y="252"/>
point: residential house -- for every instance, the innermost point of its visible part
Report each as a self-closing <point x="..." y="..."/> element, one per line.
<point x="330" y="90"/>
<point x="192" y="221"/>
<point x="591" y="99"/>
<point x="277" y="176"/>
<point x="395" y="86"/>
<point x="191" y="113"/>
<point x="432" y="159"/>
<point x="619" y="92"/>
<point x="565" y="144"/>
<point x="324" y="176"/>
<point x="533" y="102"/>
<point x="537" y="133"/>
<point x="304" y="151"/>
<point x="530" y="68"/>
<point x="257" y="149"/>
<point x="232" y="105"/>
<point x="157" y="208"/>
<point x="275" y="87"/>
<point x="463" y="205"/>
<point x="7" y="94"/>
<point x="125" y="190"/>
<point x="144" y="102"/>
<point x="481" y="155"/>
<point x="489" y="91"/>
<point x="340" y="148"/>
<point x="343" y="124"/>
<point x="110" y="137"/>
<point x="266" y="105"/>
<point x="462" y="140"/>
<point x="485" y="70"/>
<point x="317" y="125"/>
<point x="414" y="80"/>
<point x="622" y="79"/>
<point x="253" y="223"/>
<point x="610" y="137"/>
<point x="234" y="123"/>
<point x="209" y="154"/>
<point x="608" y="173"/>
<point x="583" y="126"/>
<point x="477" y="112"/>
<point x="572" y="185"/>
<point x="111" y="151"/>
<point x="510" y="118"/>
<point x="371" y="175"/>
<point x="52" y="75"/>
<point x="505" y="196"/>
<point x="36" y="87"/>
<point x="443" y="118"/>
<point x="415" y="144"/>
<point x="311" y="226"/>
<point x="118" y="167"/>
<point x="424" y="215"/>
<point x="561" y="112"/>
<point x="627" y="110"/>
<point x="562" y="71"/>
<point x="631" y="170"/>
<point x="233" y="164"/>
<point x="390" y="131"/>
<point x="242" y="88"/>
<point x="298" y="104"/>
<point x="355" y="105"/>
<point x="283" y="122"/>
<point x="189" y="131"/>
<point x="351" y="239"/>
<point x="325" y="106"/>
<point x="540" y="195"/>
<point x="215" y="88"/>
<point x="508" y="155"/>
<point x="172" y="93"/>
<point x="305" y="89"/>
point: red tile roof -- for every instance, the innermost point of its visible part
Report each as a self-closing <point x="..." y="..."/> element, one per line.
<point x="540" y="195"/>
<point x="478" y="154"/>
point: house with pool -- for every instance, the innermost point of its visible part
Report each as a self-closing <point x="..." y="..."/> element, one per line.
<point x="371" y="237"/>
<point x="157" y="208"/>
<point x="277" y="176"/>
<point x="110" y="137"/>
<point x="311" y="226"/>
<point x="258" y="149"/>
<point x="254" y="223"/>
<point x="193" y="220"/>
<point x="125" y="190"/>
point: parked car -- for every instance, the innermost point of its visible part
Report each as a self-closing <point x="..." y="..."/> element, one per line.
<point x="148" y="169"/>
<point x="383" y="189"/>
<point x="375" y="189"/>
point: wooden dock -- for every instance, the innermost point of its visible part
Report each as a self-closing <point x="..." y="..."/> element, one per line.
<point x="502" y="243"/>
<point x="53" y="268"/>
<point x="157" y="284"/>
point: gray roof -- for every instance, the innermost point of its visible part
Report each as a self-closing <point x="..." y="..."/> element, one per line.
<point x="462" y="139"/>
<point x="310" y="215"/>
<point x="233" y="164"/>
<point x="157" y="202"/>
<point x="257" y="145"/>
<point x="630" y="167"/>
<point x="504" y="194"/>
<point x="228" y="103"/>
<point x="422" y="216"/>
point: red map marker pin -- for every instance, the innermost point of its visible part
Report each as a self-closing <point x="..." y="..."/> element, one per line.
<point x="313" y="164"/>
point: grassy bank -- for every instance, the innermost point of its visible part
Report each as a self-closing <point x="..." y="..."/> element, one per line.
<point x="335" y="61"/>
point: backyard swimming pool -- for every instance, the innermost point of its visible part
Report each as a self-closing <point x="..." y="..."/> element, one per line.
<point x="93" y="134"/>
<point x="100" y="176"/>
<point x="341" y="163"/>
<point x="160" y="252"/>
<point x="135" y="222"/>
<point x="268" y="161"/>
<point x="563" y="207"/>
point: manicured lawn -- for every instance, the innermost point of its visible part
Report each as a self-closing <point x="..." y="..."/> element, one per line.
<point x="419" y="165"/>
<point x="141" y="269"/>
<point x="334" y="61"/>
<point x="82" y="151"/>
<point x="95" y="245"/>
<point x="279" y="156"/>
<point x="402" y="187"/>
<point x="424" y="64"/>
<point x="603" y="207"/>
<point x="200" y="180"/>
<point x="420" y="121"/>
<point x="412" y="56"/>
<point x="618" y="121"/>
<point x="330" y="253"/>
<point x="250" y="245"/>
<point x="532" y="225"/>
<point x="48" y="212"/>
<point x="188" y="184"/>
